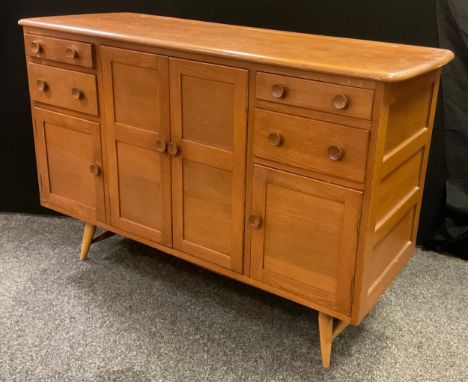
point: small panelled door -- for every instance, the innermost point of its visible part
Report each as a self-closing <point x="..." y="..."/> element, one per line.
<point x="208" y="126"/>
<point x="136" y="115"/>
<point x="69" y="160"/>
<point x="304" y="236"/>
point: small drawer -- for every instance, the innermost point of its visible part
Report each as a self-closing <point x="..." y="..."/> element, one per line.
<point x="56" y="49"/>
<point x="323" y="147"/>
<point x="315" y="95"/>
<point x="63" y="88"/>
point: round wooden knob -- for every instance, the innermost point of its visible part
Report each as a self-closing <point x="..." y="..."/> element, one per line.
<point x="42" y="85"/>
<point x="275" y="139"/>
<point x="35" y="47"/>
<point x="278" y="91"/>
<point x="335" y="153"/>
<point x="71" y="52"/>
<point x="77" y="93"/>
<point x="172" y="149"/>
<point x="255" y="221"/>
<point x="161" y="145"/>
<point x="340" y="102"/>
<point x="95" y="169"/>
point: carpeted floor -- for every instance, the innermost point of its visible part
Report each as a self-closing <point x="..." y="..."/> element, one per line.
<point x="131" y="313"/>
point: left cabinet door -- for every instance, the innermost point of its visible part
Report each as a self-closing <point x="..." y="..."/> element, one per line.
<point x="69" y="162"/>
<point x="136" y="122"/>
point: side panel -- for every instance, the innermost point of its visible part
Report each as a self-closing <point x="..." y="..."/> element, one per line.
<point x="391" y="213"/>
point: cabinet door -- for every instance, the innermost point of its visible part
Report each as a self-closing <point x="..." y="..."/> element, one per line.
<point x="68" y="152"/>
<point x="136" y="119"/>
<point x="208" y="125"/>
<point x="304" y="235"/>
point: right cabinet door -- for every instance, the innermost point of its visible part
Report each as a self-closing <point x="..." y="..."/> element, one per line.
<point x="208" y="127"/>
<point x="304" y="235"/>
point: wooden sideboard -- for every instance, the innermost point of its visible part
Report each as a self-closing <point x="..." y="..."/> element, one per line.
<point x="291" y="162"/>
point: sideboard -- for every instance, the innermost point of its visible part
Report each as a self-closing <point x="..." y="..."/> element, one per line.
<point x="294" y="163"/>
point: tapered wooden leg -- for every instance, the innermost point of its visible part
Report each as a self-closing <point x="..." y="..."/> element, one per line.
<point x="328" y="332"/>
<point x="326" y="337"/>
<point x="88" y="235"/>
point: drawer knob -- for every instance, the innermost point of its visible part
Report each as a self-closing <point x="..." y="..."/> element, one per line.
<point x="77" y="93"/>
<point x="340" y="102"/>
<point x="161" y="145"/>
<point x="278" y="91"/>
<point x="71" y="52"/>
<point x="36" y="47"/>
<point x="255" y="221"/>
<point x="95" y="169"/>
<point x="42" y="85"/>
<point x="275" y="139"/>
<point x="172" y="149"/>
<point x="335" y="153"/>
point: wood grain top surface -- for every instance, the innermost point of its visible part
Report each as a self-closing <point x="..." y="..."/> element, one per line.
<point x="341" y="56"/>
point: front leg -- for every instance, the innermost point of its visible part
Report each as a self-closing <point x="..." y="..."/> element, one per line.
<point x="328" y="332"/>
<point x="88" y="235"/>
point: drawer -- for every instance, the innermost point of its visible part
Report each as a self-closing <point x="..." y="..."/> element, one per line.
<point x="63" y="88"/>
<point x="323" y="147"/>
<point x="60" y="50"/>
<point x="315" y="95"/>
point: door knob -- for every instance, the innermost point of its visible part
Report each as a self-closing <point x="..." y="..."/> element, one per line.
<point x="95" y="169"/>
<point x="172" y="149"/>
<point x="255" y="221"/>
<point x="161" y="145"/>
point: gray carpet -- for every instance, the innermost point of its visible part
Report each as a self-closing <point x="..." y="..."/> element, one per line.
<point x="131" y="313"/>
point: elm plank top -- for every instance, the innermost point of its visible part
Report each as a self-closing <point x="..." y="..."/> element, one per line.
<point x="340" y="56"/>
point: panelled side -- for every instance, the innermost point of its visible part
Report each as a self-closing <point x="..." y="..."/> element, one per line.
<point x="390" y="221"/>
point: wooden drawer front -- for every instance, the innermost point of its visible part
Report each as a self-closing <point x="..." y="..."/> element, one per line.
<point x="55" y="49"/>
<point x="63" y="88"/>
<point x="321" y="96"/>
<point x="309" y="144"/>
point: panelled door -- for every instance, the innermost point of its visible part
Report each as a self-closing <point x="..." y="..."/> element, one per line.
<point x="304" y="236"/>
<point x="136" y="115"/>
<point x="69" y="160"/>
<point x="208" y="128"/>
